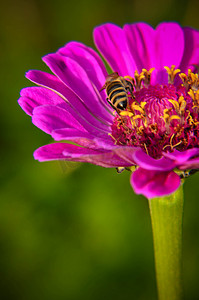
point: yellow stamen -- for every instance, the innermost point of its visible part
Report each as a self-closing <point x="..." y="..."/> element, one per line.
<point x="138" y="79"/>
<point x="174" y="117"/>
<point x="195" y="97"/>
<point x="126" y="113"/>
<point x="191" y="80"/>
<point x="172" y="72"/>
<point x="179" y="105"/>
<point x="142" y="104"/>
<point x="184" y="79"/>
<point x="147" y="75"/>
<point x="140" y="130"/>
<point x="170" y="145"/>
<point x="168" y="118"/>
<point x="137" y="107"/>
<point x="138" y="117"/>
<point x="113" y="138"/>
<point x="145" y="147"/>
<point x="175" y="104"/>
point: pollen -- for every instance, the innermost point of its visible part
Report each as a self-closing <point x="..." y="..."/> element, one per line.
<point x="160" y="118"/>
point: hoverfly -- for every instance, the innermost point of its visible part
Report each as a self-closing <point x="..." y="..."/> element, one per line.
<point x="117" y="89"/>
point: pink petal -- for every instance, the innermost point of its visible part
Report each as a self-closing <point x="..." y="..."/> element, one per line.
<point x="191" y="51"/>
<point x="190" y="164"/>
<point x="75" y="77"/>
<point x="141" y="41"/>
<point x="70" y="152"/>
<point x="52" y="82"/>
<point x="103" y="158"/>
<point x="182" y="157"/>
<point x="49" y="118"/>
<point x="84" y="139"/>
<point x="47" y="80"/>
<point x="169" y="48"/>
<point x="148" y="163"/>
<point x="50" y="152"/>
<point x="111" y="42"/>
<point x="153" y="184"/>
<point x="88" y="60"/>
<point x="70" y="134"/>
<point x="32" y="97"/>
<point x="126" y="153"/>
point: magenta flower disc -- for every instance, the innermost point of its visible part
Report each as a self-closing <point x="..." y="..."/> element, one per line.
<point x="144" y="115"/>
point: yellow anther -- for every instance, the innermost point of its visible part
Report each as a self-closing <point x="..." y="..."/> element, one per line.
<point x="147" y="75"/>
<point x="166" y="115"/>
<point x="140" y="130"/>
<point x="191" y="80"/>
<point x="191" y="94"/>
<point x="179" y="105"/>
<point x="140" y="108"/>
<point x="168" y="118"/>
<point x="189" y="119"/>
<point x="138" y="79"/>
<point x="142" y="104"/>
<point x="174" y="117"/>
<point x="126" y="113"/>
<point x="172" y="72"/>
<point x="184" y="79"/>
<point x="130" y="115"/>
<point x="195" y="82"/>
<point x="175" y="104"/>
<point x="195" y="97"/>
<point x="138" y="117"/>
<point x="141" y="117"/>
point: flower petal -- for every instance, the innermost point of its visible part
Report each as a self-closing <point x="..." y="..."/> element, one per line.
<point x="88" y="60"/>
<point x="126" y="153"/>
<point x="169" y="48"/>
<point x="181" y="157"/>
<point x="111" y="42"/>
<point x="70" y="152"/>
<point x="141" y="41"/>
<point x="153" y="184"/>
<point x="191" y="51"/>
<point x="50" y="152"/>
<point x="81" y="138"/>
<point x="69" y="133"/>
<point x="148" y="163"/>
<point x="52" y="82"/>
<point x="190" y="164"/>
<point x="32" y="97"/>
<point x="49" y="118"/>
<point x="75" y="77"/>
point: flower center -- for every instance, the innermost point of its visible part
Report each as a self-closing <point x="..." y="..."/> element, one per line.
<point x="160" y="118"/>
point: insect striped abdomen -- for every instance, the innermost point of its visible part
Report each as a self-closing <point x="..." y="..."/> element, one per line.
<point x="118" y="90"/>
<point x="117" y="95"/>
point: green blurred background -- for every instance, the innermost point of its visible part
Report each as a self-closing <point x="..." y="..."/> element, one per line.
<point x="75" y="231"/>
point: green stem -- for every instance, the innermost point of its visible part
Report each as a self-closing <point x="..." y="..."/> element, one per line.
<point x="166" y="216"/>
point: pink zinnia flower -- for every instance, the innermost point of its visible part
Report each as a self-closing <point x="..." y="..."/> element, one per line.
<point x="158" y="131"/>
